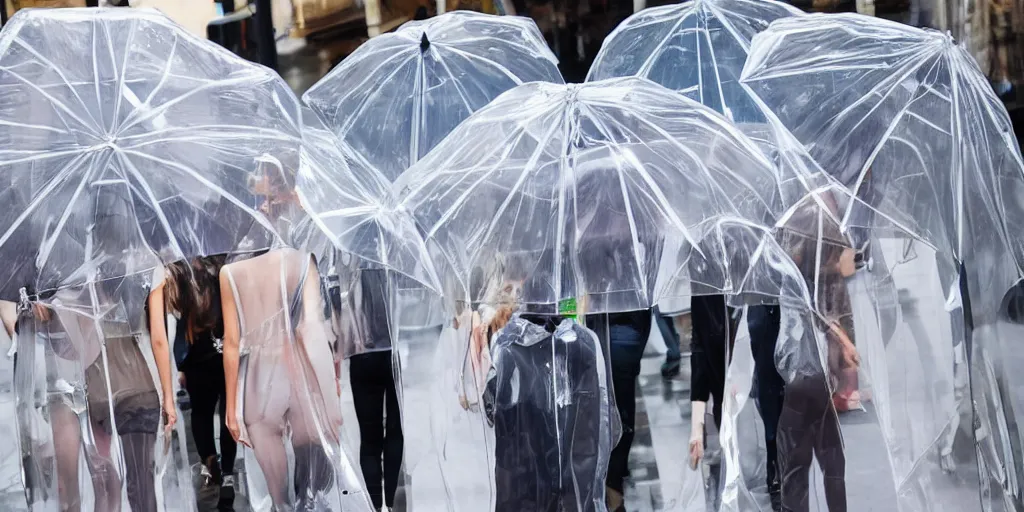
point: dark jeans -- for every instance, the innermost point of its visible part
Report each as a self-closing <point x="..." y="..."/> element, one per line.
<point x="205" y="384"/>
<point x="380" y="424"/>
<point x="667" y="326"/>
<point x="763" y="323"/>
<point x="625" y="370"/>
<point x="809" y="430"/>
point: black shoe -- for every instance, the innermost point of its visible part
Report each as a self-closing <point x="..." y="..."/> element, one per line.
<point x="670" y="368"/>
<point x="227" y="494"/>
<point x="775" y="492"/>
<point x="213" y="466"/>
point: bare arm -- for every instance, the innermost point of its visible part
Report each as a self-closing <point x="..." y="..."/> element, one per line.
<point x="161" y="350"/>
<point x="231" y="340"/>
<point x="9" y="314"/>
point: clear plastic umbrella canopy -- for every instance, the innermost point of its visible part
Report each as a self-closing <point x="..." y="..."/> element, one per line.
<point x="399" y="94"/>
<point x="353" y="205"/>
<point x="904" y="119"/>
<point x="129" y="143"/>
<point x="613" y="194"/>
<point x="578" y="187"/>
<point x="698" y="48"/>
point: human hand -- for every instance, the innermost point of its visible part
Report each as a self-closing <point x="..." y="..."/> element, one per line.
<point x="851" y="357"/>
<point x="41" y="312"/>
<point x="233" y="428"/>
<point x="696" y="452"/>
<point x="170" y="413"/>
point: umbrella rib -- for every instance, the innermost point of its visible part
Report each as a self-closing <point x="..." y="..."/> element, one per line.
<point x="662" y="200"/>
<point x="59" y="73"/>
<point x="163" y="75"/>
<point x="351" y="118"/>
<point x="164" y="223"/>
<point x="712" y="182"/>
<point x="38" y="155"/>
<point x="417" y="109"/>
<point x="246" y="79"/>
<point x="343" y="71"/>
<point x="458" y="86"/>
<point x="885" y="136"/>
<point x="645" y="67"/>
<point x="211" y="185"/>
<point x="123" y="70"/>
<point x="446" y="216"/>
<point x="504" y="42"/>
<point x="96" y="77"/>
<point x="484" y="175"/>
<point x="47" y="247"/>
<point x="471" y="56"/>
<point x="718" y="77"/>
<point x="628" y="203"/>
<point x="43" y="195"/>
<point x="33" y="127"/>
<point x="530" y="164"/>
<point x="57" y="103"/>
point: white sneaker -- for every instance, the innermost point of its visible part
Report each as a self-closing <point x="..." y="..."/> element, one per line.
<point x="228" y="481"/>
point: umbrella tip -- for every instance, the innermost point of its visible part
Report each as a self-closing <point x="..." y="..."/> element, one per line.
<point x="424" y="43"/>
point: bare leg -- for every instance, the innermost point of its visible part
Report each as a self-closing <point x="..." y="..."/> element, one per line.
<point x="67" y="441"/>
<point x="106" y="482"/>
<point x="268" y="446"/>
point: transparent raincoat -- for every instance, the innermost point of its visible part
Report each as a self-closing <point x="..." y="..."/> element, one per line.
<point x="556" y="201"/>
<point x="400" y="94"/>
<point x="384" y="300"/>
<point x="903" y="119"/>
<point x="130" y="145"/>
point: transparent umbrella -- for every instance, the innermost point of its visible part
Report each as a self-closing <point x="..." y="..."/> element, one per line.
<point x="136" y="108"/>
<point x="399" y="94"/>
<point x="559" y="182"/>
<point x="903" y="118"/>
<point x="698" y="48"/>
<point x="609" y="194"/>
<point x="127" y="144"/>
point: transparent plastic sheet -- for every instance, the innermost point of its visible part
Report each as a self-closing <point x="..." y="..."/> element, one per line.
<point x="125" y="99"/>
<point x="399" y="94"/>
<point x="285" y="394"/>
<point x="12" y="489"/>
<point x="449" y="446"/>
<point x="899" y="110"/>
<point x="92" y="433"/>
<point x="549" y="186"/>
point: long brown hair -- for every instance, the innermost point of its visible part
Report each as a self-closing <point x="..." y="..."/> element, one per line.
<point x="193" y="291"/>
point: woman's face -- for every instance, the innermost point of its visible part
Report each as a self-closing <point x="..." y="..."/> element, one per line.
<point x="270" y="183"/>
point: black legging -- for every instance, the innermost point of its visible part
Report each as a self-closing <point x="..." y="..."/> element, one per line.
<point x="763" y="323"/>
<point x="380" y="424"/>
<point x="204" y="381"/>
<point x="809" y="429"/>
<point x="714" y="331"/>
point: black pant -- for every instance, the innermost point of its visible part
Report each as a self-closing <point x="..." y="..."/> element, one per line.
<point x="763" y="323"/>
<point x="626" y="361"/>
<point x="809" y="430"/>
<point x="711" y="350"/>
<point x="204" y="381"/>
<point x="380" y="424"/>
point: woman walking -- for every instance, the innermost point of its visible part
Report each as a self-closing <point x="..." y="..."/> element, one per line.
<point x="193" y="293"/>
